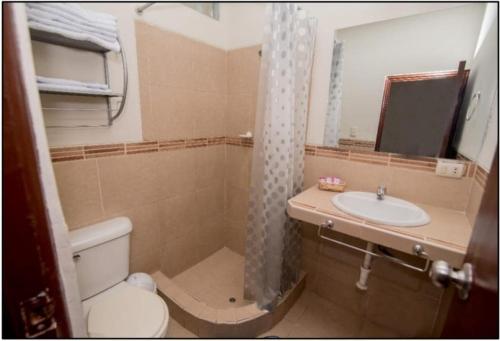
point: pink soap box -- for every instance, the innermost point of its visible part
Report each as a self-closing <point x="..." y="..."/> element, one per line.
<point x="331" y="183"/>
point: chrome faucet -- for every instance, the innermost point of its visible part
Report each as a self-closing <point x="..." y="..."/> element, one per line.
<point x="381" y="191"/>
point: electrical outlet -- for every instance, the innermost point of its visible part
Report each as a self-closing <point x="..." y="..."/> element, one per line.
<point x="450" y="169"/>
<point x="354" y="131"/>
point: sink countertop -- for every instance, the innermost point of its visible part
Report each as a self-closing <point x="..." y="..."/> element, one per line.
<point x="446" y="237"/>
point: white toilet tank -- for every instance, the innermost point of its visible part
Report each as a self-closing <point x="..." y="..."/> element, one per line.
<point x="101" y="254"/>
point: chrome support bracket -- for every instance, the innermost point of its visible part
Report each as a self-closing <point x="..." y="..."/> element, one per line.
<point x="418" y="249"/>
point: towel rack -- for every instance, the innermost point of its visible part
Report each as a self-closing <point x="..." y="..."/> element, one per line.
<point x="57" y="39"/>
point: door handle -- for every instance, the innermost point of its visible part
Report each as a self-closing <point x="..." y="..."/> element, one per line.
<point x="442" y="275"/>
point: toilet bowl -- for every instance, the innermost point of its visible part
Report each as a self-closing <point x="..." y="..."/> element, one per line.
<point x="114" y="308"/>
<point x="126" y="311"/>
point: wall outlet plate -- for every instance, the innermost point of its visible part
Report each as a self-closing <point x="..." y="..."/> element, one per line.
<point x="354" y="131"/>
<point x="450" y="169"/>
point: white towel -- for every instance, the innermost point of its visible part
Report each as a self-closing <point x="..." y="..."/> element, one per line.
<point x="72" y="88"/>
<point x="76" y="13"/>
<point x="44" y="20"/>
<point x="72" y="21"/>
<point x="70" y="82"/>
<point x="75" y="35"/>
<point x="59" y="21"/>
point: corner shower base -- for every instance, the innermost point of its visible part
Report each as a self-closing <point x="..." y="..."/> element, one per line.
<point x="216" y="279"/>
<point x="200" y="298"/>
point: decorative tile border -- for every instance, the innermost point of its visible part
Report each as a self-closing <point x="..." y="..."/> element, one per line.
<point x="141" y="147"/>
<point x="481" y="176"/>
<point x="427" y="164"/>
<point x="355" y="144"/>
<point x="67" y="153"/>
<point x="171" y="144"/>
<point x="104" y="150"/>
<point x="240" y="141"/>
<point x="422" y="163"/>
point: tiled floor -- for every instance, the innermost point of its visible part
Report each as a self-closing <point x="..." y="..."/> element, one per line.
<point x="215" y="279"/>
<point x="220" y="276"/>
<point x="176" y="331"/>
<point x="311" y="317"/>
<point x="315" y="317"/>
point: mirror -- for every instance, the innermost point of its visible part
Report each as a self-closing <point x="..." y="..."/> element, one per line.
<point x="396" y="83"/>
<point x="419" y="113"/>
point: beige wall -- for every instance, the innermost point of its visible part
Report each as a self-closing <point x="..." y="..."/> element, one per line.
<point x="478" y="137"/>
<point x="241" y="25"/>
<point x="243" y="76"/>
<point x="191" y="89"/>
<point x="398" y="299"/>
<point x="182" y="85"/>
<point x="175" y="200"/>
<point x="433" y="41"/>
<point x="184" y="204"/>
<point x="417" y="186"/>
<point x="187" y="203"/>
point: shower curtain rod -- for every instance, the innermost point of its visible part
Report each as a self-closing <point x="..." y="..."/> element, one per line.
<point x="142" y="8"/>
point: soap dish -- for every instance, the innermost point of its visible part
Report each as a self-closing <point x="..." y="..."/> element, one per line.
<point x="331" y="183"/>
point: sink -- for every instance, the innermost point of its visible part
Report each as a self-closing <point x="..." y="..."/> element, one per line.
<point x="389" y="211"/>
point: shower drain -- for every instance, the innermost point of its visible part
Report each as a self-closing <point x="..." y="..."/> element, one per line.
<point x="232" y="299"/>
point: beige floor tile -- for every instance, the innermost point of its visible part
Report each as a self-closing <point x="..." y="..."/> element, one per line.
<point x="175" y="330"/>
<point x="215" y="279"/>
<point x="314" y="316"/>
<point x="297" y="310"/>
<point x="282" y="330"/>
<point x="371" y="330"/>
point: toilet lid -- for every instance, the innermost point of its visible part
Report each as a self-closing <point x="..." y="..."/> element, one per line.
<point x="128" y="312"/>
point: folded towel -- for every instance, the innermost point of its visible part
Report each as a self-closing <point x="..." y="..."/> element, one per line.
<point x="76" y="13"/>
<point x="73" y="88"/>
<point x="113" y="46"/>
<point x="62" y="22"/>
<point x="70" y="82"/>
<point x="72" y="21"/>
<point x="69" y="27"/>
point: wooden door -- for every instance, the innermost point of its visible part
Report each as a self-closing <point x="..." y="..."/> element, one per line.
<point x="420" y="111"/>
<point x="32" y="301"/>
<point x="477" y="317"/>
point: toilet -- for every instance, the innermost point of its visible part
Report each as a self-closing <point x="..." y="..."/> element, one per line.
<point x="112" y="307"/>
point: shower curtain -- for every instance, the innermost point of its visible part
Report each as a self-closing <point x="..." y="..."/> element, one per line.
<point x="334" y="111"/>
<point x="272" y="245"/>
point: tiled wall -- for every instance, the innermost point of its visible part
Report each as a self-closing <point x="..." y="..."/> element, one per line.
<point x="476" y="194"/>
<point x="410" y="179"/>
<point x="243" y="75"/>
<point x="183" y="85"/>
<point x="190" y="90"/>
<point x="186" y="189"/>
<point x="397" y="299"/>
<point x="175" y="199"/>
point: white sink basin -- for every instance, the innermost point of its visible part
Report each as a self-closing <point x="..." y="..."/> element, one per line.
<point x="389" y="211"/>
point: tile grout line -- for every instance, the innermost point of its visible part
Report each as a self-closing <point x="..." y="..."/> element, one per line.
<point x="99" y="185"/>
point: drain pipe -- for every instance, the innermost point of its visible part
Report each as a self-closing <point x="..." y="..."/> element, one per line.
<point x="366" y="267"/>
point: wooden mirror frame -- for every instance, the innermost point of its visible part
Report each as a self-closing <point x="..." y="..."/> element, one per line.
<point x="461" y="73"/>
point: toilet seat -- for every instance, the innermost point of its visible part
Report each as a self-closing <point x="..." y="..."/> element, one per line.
<point x="128" y="312"/>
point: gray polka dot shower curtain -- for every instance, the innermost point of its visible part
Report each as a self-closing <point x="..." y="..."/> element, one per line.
<point x="272" y="257"/>
<point x="333" y="113"/>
